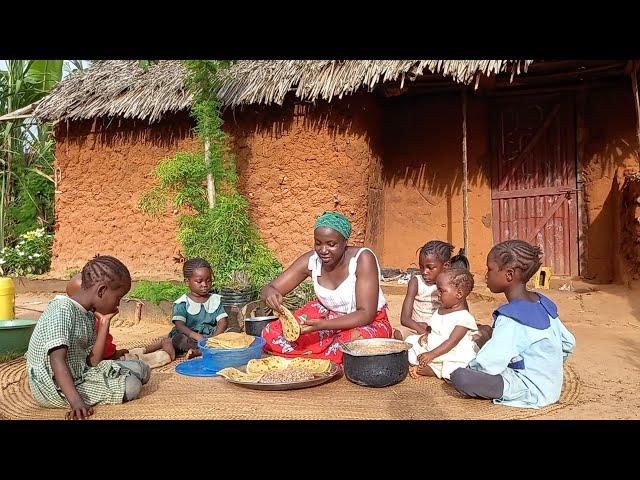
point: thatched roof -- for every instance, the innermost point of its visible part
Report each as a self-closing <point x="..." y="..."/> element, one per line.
<point x="268" y="81"/>
<point x="122" y="88"/>
<point x="118" y="88"/>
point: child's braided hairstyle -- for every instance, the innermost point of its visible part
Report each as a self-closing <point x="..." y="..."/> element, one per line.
<point x="192" y="265"/>
<point x="441" y="250"/>
<point x="518" y="254"/>
<point x="107" y="269"/>
<point x="460" y="278"/>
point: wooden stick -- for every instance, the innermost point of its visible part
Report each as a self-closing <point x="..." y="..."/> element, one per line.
<point x="634" y="84"/>
<point x="211" y="188"/>
<point x="465" y="186"/>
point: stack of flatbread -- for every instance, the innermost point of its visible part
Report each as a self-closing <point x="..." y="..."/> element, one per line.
<point x="230" y="340"/>
<point x="263" y="370"/>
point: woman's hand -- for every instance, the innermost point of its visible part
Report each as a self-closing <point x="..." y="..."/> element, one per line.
<point x="483" y="335"/>
<point x="79" y="411"/>
<point x="311" y="325"/>
<point x="273" y="299"/>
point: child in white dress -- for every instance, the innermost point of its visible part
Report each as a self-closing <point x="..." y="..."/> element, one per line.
<point x="422" y="297"/>
<point x="449" y="344"/>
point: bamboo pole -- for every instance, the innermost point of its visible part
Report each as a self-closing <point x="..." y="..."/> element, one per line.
<point x="211" y="188"/>
<point x="465" y="179"/>
<point x="634" y="84"/>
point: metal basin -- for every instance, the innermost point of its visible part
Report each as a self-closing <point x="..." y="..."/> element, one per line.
<point x="376" y="362"/>
<point x="254" y="325"/>
<point x="15" y="336"/>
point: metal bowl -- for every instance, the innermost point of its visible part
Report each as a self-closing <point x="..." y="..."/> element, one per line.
<point x="254" y="325"/>
<point x="376" y="362"/>
<point x="15" y="336"/>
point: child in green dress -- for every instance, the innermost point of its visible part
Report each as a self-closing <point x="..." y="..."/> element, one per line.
<point x="197" y="314"/>
<point x="64" y="359"/>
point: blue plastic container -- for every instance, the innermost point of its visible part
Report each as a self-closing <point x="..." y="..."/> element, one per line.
<point x="215" y="359"/>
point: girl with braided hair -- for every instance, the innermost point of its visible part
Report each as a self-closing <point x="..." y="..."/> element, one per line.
<point x="422" y="297"/>
<point x="350" y="304"/>
<point x="65" y="365"/>
<point x="449" y="343"/>
<point x="521" y="365"/>
<point x="197" y="314"/>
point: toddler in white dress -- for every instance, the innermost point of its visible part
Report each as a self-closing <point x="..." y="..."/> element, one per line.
<point x="449" y="344"/>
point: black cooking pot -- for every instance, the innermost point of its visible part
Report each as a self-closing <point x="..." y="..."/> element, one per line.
<point x="376" y="362"/>
<point x="254" y="325"/>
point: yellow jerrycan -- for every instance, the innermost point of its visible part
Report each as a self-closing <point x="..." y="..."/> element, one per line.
<point x="7" y="299"/>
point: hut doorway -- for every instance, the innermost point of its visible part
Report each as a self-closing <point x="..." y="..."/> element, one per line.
<point x="534" y="181"/>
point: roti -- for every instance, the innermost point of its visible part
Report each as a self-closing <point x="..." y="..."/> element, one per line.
<point x="267" y="364"/>
<point x="290" y="325"/>
<point x="230" y="340"/>
<point x="239" y="376"/>
<point x="314" y="365"/>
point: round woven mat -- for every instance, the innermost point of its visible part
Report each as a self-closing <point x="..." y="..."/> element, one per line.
<point x="169" y="395"/>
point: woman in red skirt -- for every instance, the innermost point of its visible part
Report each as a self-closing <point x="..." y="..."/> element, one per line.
<point x="350" y="303"/>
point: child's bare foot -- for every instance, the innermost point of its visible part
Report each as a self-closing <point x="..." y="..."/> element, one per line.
<point x="397" y="334"/>
<point x="193" y="353"/>
<point x="417" y="371"/>
<point x="167" y="346"/>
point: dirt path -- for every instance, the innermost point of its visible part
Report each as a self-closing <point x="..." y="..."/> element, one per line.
<point x="606" y="324"/>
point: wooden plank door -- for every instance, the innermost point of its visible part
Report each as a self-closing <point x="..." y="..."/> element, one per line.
<point x="534" y="182"/>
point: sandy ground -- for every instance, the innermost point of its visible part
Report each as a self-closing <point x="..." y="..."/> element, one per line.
<point x="606" y="324"/>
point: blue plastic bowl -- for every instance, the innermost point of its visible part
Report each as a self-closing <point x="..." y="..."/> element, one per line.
<point x="215" y="359"/>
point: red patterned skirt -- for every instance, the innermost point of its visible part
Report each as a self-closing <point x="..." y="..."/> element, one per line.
<point x="322" y="343"/>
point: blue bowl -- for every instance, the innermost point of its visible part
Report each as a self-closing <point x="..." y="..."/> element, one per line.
<point x="215" y="359"/>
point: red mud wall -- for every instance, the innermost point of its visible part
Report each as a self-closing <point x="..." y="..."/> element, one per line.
<point x="422" y="171"/>
<point x="298" y="160"/>
<point x="102" y="171"/>
<point x="609" y="143"/>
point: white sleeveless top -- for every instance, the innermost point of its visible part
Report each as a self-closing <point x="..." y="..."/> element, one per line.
<point x="426" y="301"/>
<point x="343" y="298"/>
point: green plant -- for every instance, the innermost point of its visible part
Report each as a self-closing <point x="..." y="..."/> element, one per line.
<point x="26" y="150"/>
<point x="157" y="291"/>
<point x="31" y="255"/>
<point x="219" y="229"/>
<point x="299" y="296"/>
<point x="70" y="273"/>
<point x="238" y="281"/>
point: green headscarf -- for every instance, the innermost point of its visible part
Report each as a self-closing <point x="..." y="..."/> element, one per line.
<point x="335" y="221"/>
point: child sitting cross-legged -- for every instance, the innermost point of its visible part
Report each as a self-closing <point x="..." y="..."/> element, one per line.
<point x="521" y="365"/>
<point x="199" y="313"/>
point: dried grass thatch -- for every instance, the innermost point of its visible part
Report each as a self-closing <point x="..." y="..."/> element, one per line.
<point x="268" y="81"/>
<point x="117" y="88"/>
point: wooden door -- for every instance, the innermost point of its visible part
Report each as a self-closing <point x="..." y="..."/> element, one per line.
<point x="534" y="183"/>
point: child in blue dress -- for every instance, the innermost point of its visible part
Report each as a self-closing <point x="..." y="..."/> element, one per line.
<point x="197" y="314"/>
<point x="521" y="365"/>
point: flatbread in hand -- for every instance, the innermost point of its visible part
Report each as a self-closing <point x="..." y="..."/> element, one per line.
<point x="290" y="325"/>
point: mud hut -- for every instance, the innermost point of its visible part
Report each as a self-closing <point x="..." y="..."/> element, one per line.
<point x="469" y="151"/>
